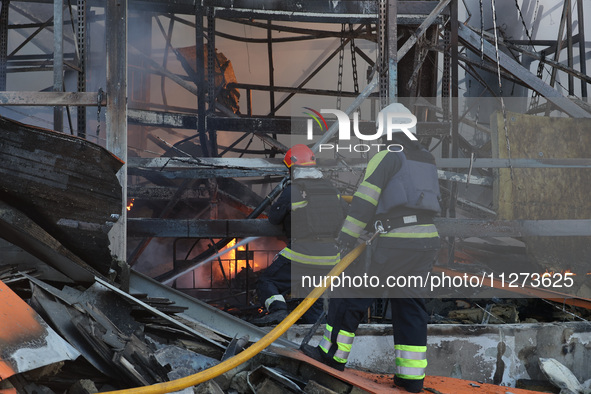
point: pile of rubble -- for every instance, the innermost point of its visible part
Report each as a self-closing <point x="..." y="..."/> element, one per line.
<point x="99" y="338"/>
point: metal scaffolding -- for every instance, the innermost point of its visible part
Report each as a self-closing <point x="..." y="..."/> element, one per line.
<point x="409" y="38"/>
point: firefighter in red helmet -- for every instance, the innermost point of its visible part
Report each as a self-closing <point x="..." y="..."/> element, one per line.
<point x="311" y="212"/>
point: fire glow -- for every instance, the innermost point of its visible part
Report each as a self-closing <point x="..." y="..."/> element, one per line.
<point x="548" y="274"/>
<point x="234" y="265"/>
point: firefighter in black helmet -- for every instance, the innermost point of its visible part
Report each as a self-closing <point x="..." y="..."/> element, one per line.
<point x="400" y="192"/>
<point x="311" y="213"/>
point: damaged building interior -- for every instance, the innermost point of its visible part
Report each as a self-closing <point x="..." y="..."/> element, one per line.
<point x="142" y="145"/>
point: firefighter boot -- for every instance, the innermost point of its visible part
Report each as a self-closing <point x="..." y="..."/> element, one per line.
<point x="412" y="386"/>
<point x="317" y="354"/>
<point x="273" y="317"/>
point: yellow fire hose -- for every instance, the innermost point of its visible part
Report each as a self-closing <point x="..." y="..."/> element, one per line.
<point x="255" y="348"/>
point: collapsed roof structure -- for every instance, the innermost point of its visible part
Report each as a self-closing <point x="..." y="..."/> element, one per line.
<point x="173" y="152"/>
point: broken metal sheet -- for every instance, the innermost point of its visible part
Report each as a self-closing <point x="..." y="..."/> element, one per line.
<point x="211" y="338"/>
<point x="61" y="316"/>
<point x="26" y="341"/>
<point x="201" y="313"/>
<point x="236" y="346"/>
<point x="115" y="308"/>
<point x="183" y="362"/>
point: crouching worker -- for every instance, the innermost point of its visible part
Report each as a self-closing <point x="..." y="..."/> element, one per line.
<point x="311" y="213"/>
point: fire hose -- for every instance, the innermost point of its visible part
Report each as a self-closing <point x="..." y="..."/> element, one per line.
<point x="257" y="347"/>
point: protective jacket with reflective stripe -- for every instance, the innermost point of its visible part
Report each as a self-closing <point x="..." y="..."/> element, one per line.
<point x="380" y="187"/>
<point x="293" y="210"/>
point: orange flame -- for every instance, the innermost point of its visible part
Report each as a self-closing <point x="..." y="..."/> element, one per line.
<point x="235" y="266"/>
<point x="130" y="204"/>
<point x="550" y="273"/>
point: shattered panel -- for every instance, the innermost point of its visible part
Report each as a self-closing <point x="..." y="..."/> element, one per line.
<point x="26" y="341"/>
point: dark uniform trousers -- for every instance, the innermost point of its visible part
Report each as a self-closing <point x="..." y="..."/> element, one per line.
<point x="277" y="279"/>
<point x="409" y="315"/>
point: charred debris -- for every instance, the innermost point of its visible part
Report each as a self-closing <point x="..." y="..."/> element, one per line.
<point x="114" y="222"/>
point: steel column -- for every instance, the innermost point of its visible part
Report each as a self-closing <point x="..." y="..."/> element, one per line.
<point x="582" y="52"/>
<point x="200" y="73"/>
<point x="211" y="89"/>
<point x="392" y="23"/>
<point x="116" y="109"/>
<point x="569" y="48"/>
<point x="81" y="42"/>
<point x="58" y="60"/>
<point x="3" y="42"/>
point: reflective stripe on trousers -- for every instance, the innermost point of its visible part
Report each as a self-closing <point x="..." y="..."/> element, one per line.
<point x="344" y="344"/>
<point x="272" y="299"/>
<point x="411" y="361"/>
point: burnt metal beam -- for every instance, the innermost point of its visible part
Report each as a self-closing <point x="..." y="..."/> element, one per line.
<point x="277" y="125"/>
<point x="422" y="29"/>
<point x="183" y="168"/>
<point x="186" y="168"/>
<point x="549" y="44"/>
<point x="317" y="11"/>
<point x="240" y="228"/>
<point x="276" y="10"/>
<point x="51" y="98"/>
<point x="174" y="168"/>
<point x="203" y="173"/>
<point x="190" y="228"/>
<point x="162" y="119"/>
<point x="238" y="165"/>
<point x="165" y="193"/>
<point x="288" y="89"/>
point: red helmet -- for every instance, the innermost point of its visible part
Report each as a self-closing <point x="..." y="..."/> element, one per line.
<point x="299" y="155"/>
